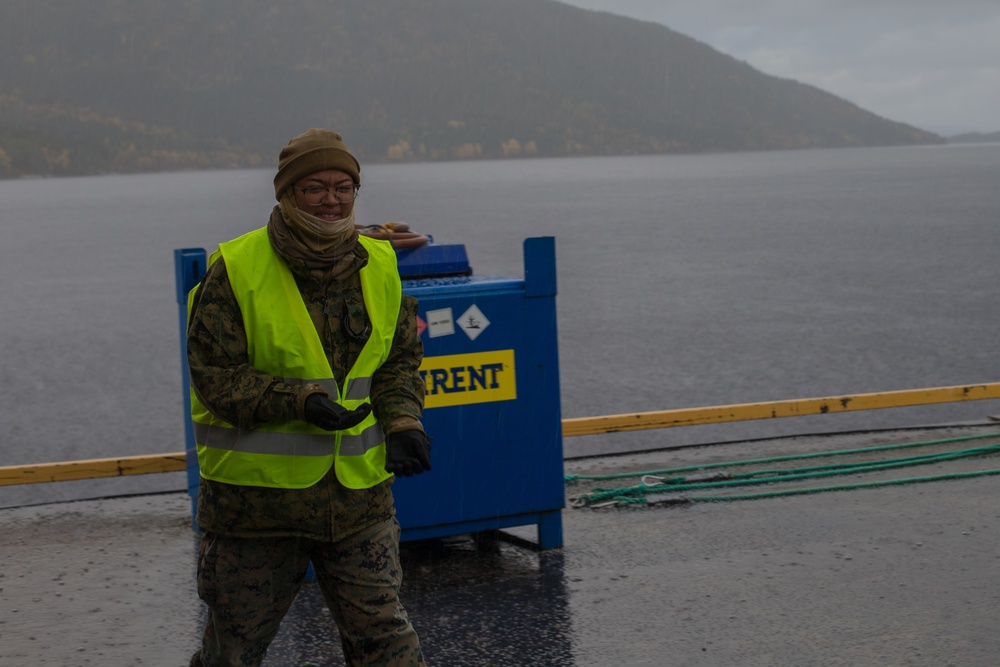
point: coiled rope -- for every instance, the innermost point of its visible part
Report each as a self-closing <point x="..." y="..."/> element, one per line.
<point x="663" y="487"/>
<point x="396" y="233"/>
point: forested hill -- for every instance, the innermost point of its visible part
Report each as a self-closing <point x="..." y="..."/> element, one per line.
<point x="94" y="86"/>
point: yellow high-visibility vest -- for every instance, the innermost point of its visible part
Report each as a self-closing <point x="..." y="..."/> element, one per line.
<point x="282" y="340"/>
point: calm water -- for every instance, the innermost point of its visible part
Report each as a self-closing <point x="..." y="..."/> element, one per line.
<point x="684" y="281"/>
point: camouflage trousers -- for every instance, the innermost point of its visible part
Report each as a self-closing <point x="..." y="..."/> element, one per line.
<point x="249" y="585"/>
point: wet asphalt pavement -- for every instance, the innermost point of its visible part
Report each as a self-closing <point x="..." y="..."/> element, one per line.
<point x="898" y="575"/>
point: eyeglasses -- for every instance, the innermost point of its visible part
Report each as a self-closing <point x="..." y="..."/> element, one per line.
<point x="314" y="194"/>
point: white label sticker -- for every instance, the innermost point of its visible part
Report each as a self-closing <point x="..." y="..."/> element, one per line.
<point x="473" y="322"/>
<point x="440" y="323"/>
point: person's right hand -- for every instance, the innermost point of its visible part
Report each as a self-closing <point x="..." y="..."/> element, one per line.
<point x="321" y="411"/>
<point x="407" y="453"/>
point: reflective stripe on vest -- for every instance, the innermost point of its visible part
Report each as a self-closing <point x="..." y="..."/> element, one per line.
<point x="283" y="341"/>
<point x="286" y="444"/>
<point x="358" y="389"/>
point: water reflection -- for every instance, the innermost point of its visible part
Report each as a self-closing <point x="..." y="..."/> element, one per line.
<point x="474" y="600"/>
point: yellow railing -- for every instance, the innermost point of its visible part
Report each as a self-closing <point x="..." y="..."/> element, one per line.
<point x="775" y="409"/>
<point x="92" y="469"/>
<point x="175" y="462"/>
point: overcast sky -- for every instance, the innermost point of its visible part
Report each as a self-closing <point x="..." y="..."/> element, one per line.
<point x="934" y="64"/>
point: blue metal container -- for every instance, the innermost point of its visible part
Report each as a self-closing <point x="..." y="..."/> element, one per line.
<point x="491" y="374"/>
<point x="190" y="265"/>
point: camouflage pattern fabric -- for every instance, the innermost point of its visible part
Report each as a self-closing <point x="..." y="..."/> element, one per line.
<point x="245" y="397"/>
<point x="249" y="586"/>
<point x="326" y="511"/>
<point x="258" y="541"/>
<point x="240" y="394"/>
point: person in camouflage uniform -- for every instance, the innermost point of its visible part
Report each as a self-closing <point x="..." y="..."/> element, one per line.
<point x="259" y="540"/>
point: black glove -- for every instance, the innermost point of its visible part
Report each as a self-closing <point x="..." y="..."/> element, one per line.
<point x="321" y="411"/>
<point x="407" y="453"/>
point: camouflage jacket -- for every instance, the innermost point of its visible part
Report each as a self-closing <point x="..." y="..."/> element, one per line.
<point x="246" y="397"/>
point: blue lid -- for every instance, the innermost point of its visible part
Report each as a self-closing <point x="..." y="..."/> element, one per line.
<point x="433" y="260"/>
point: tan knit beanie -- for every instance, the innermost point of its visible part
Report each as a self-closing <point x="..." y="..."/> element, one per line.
<point x="313" y="150"/>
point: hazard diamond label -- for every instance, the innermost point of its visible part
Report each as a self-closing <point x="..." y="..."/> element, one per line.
<point x="472" y="322"/>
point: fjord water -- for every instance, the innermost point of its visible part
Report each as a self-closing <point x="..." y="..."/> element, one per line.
<point x="683" y="281"/>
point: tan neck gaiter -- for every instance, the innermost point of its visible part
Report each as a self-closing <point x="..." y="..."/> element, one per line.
<point x="322" y="237"/>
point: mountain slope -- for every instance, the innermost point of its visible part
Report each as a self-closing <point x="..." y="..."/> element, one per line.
<point x="109" y="85"/>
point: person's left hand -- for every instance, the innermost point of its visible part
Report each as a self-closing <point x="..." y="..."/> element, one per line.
<point x="407" y="452"/>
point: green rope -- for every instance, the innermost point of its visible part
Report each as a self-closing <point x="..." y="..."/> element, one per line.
<point x="776" y="459"/>
<point x="849" y="468"/>
<point x="634" y="495"/>
<point x="847" y="487"/>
